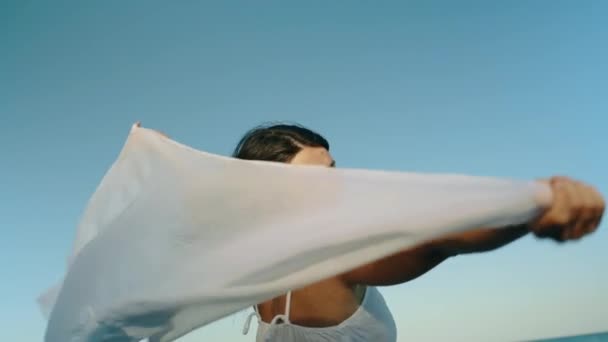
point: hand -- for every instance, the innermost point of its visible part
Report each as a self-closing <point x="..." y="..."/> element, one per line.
<point x="576" y="211"/>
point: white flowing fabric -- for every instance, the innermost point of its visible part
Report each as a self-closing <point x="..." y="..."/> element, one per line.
<point x="175" y="238"/>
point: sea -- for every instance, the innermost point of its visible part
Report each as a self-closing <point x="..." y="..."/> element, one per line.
<point x="597" y="337"/>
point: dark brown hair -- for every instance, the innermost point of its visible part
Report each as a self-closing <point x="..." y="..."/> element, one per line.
<point x="279" y="143"/>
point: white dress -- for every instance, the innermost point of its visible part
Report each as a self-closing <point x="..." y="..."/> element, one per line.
<point x="371" y="322"/>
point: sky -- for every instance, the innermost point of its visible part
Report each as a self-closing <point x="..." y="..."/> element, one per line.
<point x="515" y="89"/>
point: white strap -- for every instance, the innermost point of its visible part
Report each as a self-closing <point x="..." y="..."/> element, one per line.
<point x="248" y="321"/>
<point x="288" y="306"/>
<point x="284" y="317"/>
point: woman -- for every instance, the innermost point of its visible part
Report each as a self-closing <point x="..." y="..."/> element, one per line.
<point x="348" y="307"/>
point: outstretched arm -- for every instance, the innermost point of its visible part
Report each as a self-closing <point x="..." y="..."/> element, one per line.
<point x="414" y="262"/>
<point x="478" y="240"/>
<point x="576" y="211"/>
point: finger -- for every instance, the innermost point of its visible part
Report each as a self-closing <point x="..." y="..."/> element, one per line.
<point x="554" y="233"/>
<point x="563" y="234"/>
<point x="587" y="212"/>
<point x="551" y="223"/>
<point x="575" y="208"/>
<point x="555" y="214"/>
<point x="582" y="228"/>
<point x="595" y="225"/>
<point x="598" y="202"/>
<point x="589" y="227"/>
<point x="560" y="179"/>
<point x="578" y="200"/>
<point x="573" y="201"/>
<point x="595" y="202"/>
<point x="597" y="219"/>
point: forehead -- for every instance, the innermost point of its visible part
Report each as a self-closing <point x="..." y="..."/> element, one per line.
<point x="313" y="156"/>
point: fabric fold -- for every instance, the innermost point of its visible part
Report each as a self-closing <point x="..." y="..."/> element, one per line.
<point x="175" y="238"/>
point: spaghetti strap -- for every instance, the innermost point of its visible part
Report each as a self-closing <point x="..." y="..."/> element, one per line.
<point x="288" y="306"/>
<point x="284" y="317"/>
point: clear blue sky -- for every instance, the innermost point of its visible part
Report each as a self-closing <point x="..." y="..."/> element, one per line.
<point x="514" y="89"/>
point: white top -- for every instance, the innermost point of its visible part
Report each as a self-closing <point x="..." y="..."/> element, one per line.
<point x="371" y="322"/>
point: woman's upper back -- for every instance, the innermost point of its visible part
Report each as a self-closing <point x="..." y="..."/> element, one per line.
<point x="371" y="321"/>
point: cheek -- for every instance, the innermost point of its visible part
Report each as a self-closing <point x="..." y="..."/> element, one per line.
<point x="300" y="160"/>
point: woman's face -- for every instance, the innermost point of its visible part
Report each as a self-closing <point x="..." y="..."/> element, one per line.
<point x="313" y="156"/>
